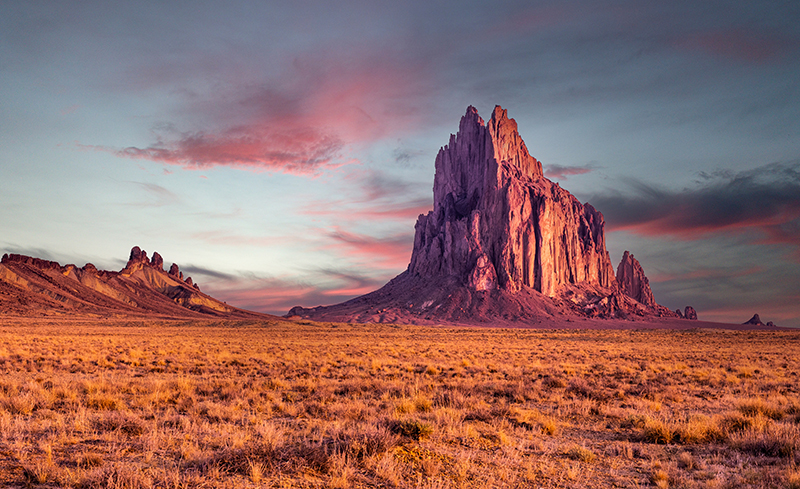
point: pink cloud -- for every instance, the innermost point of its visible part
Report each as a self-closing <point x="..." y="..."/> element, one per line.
<point x="562" y="172"/>
<point x="376" y="211"/>
<point x="299" y="122"/>
<point x="300" y="151"/>
<point x="391" y="252"/>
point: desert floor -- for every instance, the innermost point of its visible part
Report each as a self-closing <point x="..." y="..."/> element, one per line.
<point x="256" y="404"/>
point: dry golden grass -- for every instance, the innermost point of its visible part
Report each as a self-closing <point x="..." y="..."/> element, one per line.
<point x="140" y="405"/>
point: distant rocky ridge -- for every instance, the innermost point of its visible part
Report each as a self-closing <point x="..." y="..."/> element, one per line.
<point x="33" y="287"/>
<point x="502" y="243"/>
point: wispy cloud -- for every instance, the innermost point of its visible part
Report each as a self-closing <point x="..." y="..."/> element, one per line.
<point x="158" y="196"/>
<point x="373" y="195"/>
<point x="299" y="151"/>
<point x="391" y="252"/>
<point x="562" y="172"/>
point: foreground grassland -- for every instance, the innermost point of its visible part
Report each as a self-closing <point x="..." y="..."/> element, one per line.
<point x="321" y="405"/>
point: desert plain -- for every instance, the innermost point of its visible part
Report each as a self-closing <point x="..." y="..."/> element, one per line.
<point x="584" y="403"/>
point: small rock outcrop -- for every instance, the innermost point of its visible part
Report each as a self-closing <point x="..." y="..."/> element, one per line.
<point x="679" y="313"/>
<point x="690" y="313"/>
<point x="156" y="261"/>
<point x="754" y="321"/>
<point x="174" y="270"/>
<point x="137" y="256"/>
<point x="632" y="280"/>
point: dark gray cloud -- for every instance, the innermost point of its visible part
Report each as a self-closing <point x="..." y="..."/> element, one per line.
<point x="764" y="202"/>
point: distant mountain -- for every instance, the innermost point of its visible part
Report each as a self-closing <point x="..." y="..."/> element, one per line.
<point x="32" y="287"/>
<point x="502" y="242"/>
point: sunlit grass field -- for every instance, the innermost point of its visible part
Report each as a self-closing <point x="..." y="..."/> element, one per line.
<point x="140" y="405"/>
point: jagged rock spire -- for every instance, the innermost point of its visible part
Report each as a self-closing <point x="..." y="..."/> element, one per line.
<point x="632" y="280"/>
<point x="496" y="218"/>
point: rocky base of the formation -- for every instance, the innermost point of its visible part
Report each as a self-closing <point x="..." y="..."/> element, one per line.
<point x="408" y="300"/>
<point x="32" y="287"/>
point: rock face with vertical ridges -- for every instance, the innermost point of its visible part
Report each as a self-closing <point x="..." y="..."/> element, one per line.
<point x="492" y="204"/>
<point x="632" y="281"/>
<point x="501" y="243"/>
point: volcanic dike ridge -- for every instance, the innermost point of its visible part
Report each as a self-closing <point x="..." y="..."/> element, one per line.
<point x="502" y="244"/>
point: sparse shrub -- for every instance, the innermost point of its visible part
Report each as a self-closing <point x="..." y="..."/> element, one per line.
<point x="656" y="431"/>
<point x="104" y="402"/>
<point x="660" y="478"/>
<point x="553" y="382"/>
<point x="89" y="460"/>
<point x="793" y="478"/>
<point x="697" y="429"/>
<point x="737" y="423"/>
<point x="581" y="453"/>
<point x="23" y="404"/>
<point x="686" y="461"/>
<point x="411" y="428"/>
<point x="758" y="407"/>
<point x="776" y="440"/>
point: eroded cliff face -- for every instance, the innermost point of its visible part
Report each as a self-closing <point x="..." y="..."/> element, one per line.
<point x="633" y="282"/>
<point x="498" y="222"/>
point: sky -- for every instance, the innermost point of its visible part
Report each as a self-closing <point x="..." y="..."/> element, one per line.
<point x="280" y="152"/>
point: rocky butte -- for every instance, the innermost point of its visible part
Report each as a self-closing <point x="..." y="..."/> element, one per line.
<point x="502" y="243"/>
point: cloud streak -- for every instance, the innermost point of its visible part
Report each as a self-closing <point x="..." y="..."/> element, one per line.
<point x="276" y="295"/>
<point x="563" y="172"/>
<point x="298" y="151"/>
<point x="390" y="252"/>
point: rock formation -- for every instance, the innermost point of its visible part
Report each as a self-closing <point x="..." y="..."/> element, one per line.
<point x="690" y="313"/>
<point x="755" y="321"/>
<point x="156" y="261"/>
<point x="35" y="287"/>
<point x="496" y="221"/>
<point x="501" y="243"/>
<point x="632" y="281"/>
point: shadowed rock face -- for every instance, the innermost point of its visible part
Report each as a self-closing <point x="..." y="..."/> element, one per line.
<point x="633" y="282"/>
<point x="497" y="219"/>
